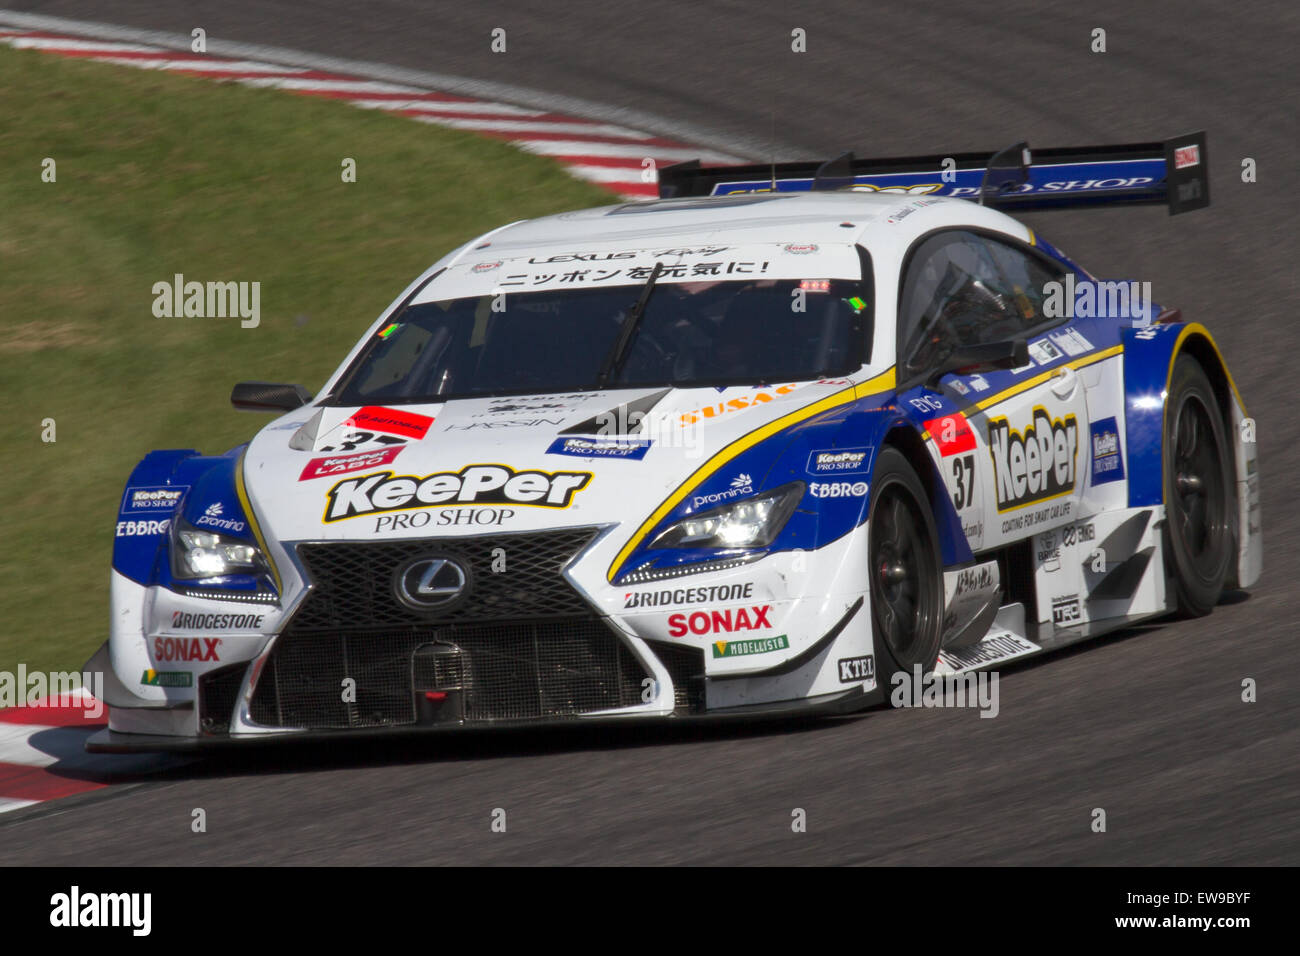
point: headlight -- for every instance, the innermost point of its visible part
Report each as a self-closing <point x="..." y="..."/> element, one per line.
<point x="204" y="554"/>
<point x="751" y="523"/>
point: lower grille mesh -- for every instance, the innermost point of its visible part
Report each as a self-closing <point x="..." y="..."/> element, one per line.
<point x="521" y="645"/>
<point x="218" y="692"/>
<point x="507" y="671"/>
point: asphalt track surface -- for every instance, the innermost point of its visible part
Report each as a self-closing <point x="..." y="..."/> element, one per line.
<point x="1148" y="725"/>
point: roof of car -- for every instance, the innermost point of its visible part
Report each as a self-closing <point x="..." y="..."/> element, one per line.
<point x="817" y="217"/>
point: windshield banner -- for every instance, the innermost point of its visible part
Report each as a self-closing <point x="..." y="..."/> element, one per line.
<point x="588" y="268"/>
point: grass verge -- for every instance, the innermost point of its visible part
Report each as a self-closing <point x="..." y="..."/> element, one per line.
<point x="158" y="174"/>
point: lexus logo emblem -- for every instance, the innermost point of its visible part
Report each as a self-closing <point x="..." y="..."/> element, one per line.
<point x="429" y="584"/>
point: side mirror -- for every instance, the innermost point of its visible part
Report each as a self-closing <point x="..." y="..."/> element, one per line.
<point x="1012" y="353"/>
<point x="268" y="397"/>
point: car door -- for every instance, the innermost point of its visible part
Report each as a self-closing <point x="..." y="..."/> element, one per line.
<point x="1007" y="441"/>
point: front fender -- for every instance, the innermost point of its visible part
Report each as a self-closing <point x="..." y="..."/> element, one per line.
<point x="832" y="454"/>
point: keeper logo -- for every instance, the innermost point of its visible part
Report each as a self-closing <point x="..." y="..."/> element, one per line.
<point x="152" y="499"/>
<point x="1037" y="465"/>
<point x="849" y="459"/>
<point x="472" y="485"/>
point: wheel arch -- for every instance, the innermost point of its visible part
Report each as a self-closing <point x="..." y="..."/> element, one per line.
<point x="953" y="546"/>
<point x="1149" y="357"/>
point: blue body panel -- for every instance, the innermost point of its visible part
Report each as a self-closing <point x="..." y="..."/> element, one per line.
<point x="788" y="456"/>
<point x="1148" y="354"/>
<point x="199" y="488"/>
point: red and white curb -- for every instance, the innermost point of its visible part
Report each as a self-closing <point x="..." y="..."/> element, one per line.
<point x="43" y="755"/>
<point x="612" y="156"/>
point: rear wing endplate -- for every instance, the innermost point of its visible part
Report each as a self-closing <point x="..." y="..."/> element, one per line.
<point x="1172" y="173"/>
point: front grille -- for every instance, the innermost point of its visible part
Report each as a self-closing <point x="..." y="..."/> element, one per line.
<point x="512" y="576"/>
<point x="509" y="670"/>
<point x="685" y="665"/>
<point x="522" y="644"/>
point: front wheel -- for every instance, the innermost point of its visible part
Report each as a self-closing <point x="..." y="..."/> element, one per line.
<point x="1200" y="505"/>
<point x="905" y="569"/>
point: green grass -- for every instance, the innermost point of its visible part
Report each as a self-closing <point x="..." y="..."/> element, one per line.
<point x="160" y="174"/>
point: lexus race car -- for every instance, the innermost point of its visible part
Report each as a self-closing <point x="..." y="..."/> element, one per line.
<point x="757" y="446"/>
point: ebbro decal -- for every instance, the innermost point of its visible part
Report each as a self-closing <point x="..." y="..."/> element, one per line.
<point x="599" y="448"/>
<point x="837" y="489"/>
<point x="743" y="648"/>
<point x="472" y="485"/>
<point x="839" y="461"/>
<point x="160" y="498"/>
<point x="147" y="529"/>
<point x="1107" y="459"/>
<point x="1036" y="466"/>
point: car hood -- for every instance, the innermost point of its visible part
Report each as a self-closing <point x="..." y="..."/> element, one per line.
<point x="517" y="463"/>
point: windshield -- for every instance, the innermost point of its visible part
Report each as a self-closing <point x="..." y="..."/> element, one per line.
<point x="690" y="334"/>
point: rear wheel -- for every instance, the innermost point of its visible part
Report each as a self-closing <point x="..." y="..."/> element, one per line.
<point x="1200" y="512"/>
<point x="905" y="569"/>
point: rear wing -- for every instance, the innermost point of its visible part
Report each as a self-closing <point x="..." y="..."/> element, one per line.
<point x="1172" y="173"/>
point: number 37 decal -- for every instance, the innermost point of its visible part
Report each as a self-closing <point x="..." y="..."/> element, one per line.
<point x="963" y="470"/>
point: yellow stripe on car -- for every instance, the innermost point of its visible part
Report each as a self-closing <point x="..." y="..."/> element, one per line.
<point x="244" y="503"/>
<point x="881" y="383"/>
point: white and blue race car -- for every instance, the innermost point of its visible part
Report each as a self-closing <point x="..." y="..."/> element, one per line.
<point x="757" y="446"/>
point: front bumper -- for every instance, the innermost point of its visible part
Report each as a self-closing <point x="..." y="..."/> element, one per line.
<point x="542" y="645"/>
<point x="830" y="705"/>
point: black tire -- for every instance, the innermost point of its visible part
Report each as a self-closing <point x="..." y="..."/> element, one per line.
<point x="1200" y="501"/>
<point x="905" y="570"/>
